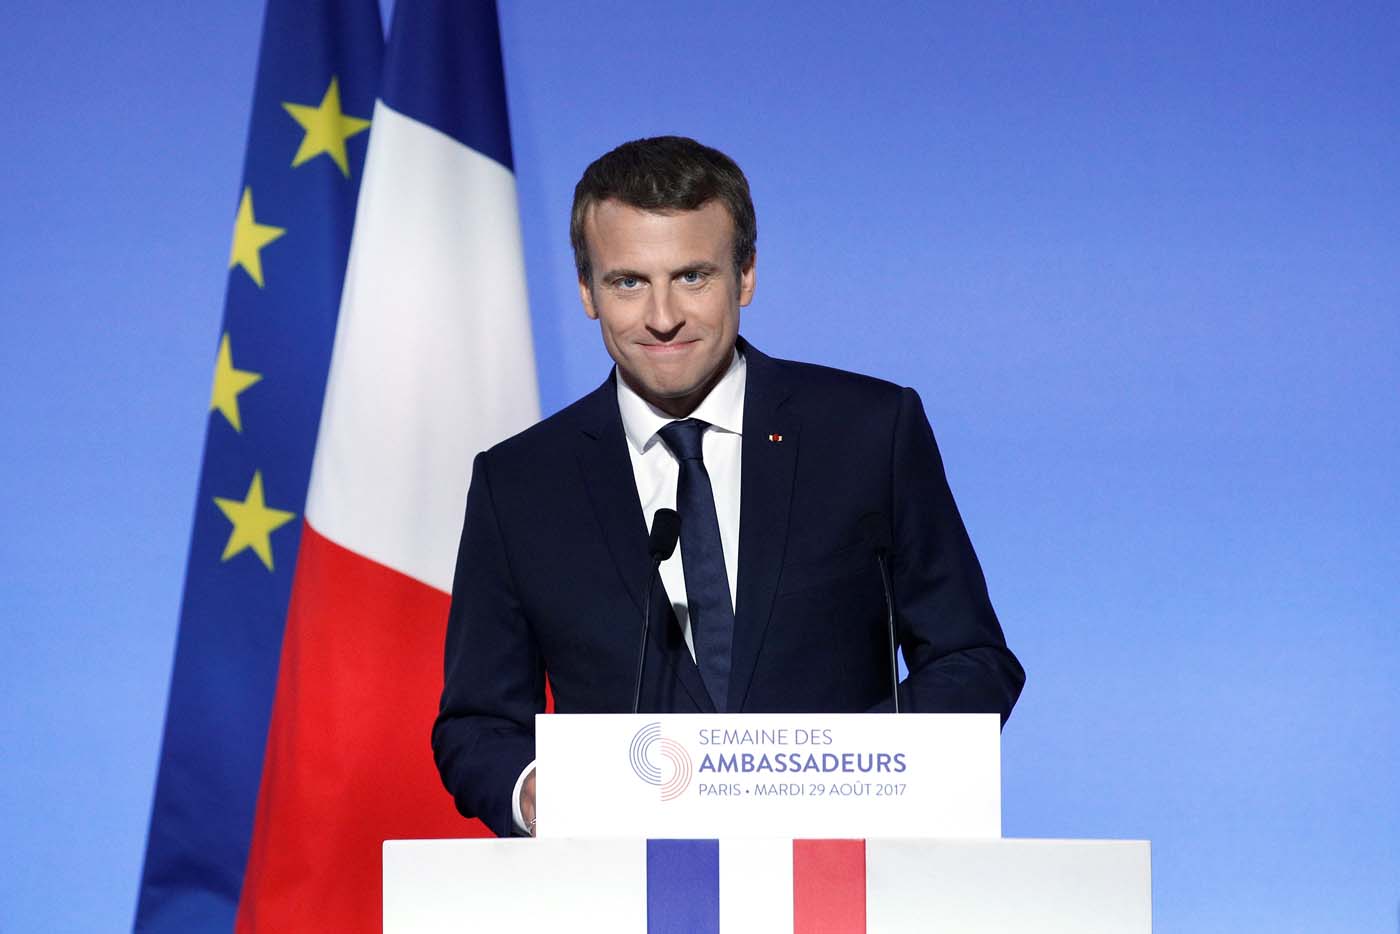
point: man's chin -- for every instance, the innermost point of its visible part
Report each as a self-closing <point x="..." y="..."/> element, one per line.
<point x="671" y="389"/>
<point x="672" y="393"/>
<point x="669" y="396"/>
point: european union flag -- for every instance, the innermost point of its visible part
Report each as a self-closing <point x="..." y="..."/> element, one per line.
<point x="318" y="75"/>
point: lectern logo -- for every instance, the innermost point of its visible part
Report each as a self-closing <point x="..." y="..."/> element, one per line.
<point x="649" y="743"/>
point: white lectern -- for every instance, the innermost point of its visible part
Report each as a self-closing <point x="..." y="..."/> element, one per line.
<point x="768" y="823"/>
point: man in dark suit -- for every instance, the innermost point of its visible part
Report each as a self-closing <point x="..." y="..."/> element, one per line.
<point x="773" y="601"/>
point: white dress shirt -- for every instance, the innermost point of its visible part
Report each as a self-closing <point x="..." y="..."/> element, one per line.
<point x="656" y="472"/>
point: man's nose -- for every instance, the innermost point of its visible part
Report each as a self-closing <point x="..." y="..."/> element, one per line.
<point x="664" y="313"/>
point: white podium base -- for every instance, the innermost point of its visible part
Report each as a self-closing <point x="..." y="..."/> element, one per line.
<point x="972" y="887"/>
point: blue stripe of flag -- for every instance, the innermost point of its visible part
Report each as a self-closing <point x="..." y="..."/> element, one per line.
<point x="429" y="79"/>
<point x="233" y="611"/>
<point x="682" y="887"/>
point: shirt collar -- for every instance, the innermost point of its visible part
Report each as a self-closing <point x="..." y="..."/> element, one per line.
<point x="723" y="407"/>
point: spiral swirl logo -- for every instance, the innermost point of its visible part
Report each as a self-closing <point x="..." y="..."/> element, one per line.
<point x="647" y="746"/>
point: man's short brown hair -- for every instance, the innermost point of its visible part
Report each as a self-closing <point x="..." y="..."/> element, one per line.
<point x="665" y="174"/>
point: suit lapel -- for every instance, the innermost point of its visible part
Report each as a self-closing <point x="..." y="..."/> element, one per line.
<point x="612" y="491"/>
<point x="769" y="460"/>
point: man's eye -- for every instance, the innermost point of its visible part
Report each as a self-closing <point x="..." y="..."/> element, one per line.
<point x="692" y="278"/>
<point x="628" y="282"/>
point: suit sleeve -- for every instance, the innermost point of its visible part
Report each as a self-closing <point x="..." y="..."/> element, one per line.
<point x="493" y="677"/>
<point x="952" y="642"/>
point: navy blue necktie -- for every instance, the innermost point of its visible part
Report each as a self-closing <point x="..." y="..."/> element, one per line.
<point x="706" y="582"/>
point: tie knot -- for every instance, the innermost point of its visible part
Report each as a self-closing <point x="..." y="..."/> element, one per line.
<point x="683" y="438"/>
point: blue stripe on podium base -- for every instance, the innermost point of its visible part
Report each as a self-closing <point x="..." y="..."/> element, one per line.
<point x="682" y="887"/>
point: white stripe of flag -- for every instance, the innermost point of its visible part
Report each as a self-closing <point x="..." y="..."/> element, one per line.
<point x="433" y="359"/>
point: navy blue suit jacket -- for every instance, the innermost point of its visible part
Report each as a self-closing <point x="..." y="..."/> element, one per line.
<point x="554" y="558"/>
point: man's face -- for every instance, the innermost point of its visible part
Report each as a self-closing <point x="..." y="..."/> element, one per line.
<point x="666" y="297"/>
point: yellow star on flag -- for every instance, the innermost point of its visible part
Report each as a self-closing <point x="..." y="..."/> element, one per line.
<point x="249" y="237"/>
<point x="228" y="383"/>
<point x="327" y="128"/>
<point x="253" y="522"/>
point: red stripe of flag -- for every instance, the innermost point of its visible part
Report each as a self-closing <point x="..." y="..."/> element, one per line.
<point x="828" y="886"/>
<point x="348" y="760"/>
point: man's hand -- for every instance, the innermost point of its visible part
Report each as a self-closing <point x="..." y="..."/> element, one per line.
<point x="527" y="801"/>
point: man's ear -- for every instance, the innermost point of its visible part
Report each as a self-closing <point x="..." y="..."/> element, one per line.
<point x="747" y="280"/>
<point x="585" y="294"/>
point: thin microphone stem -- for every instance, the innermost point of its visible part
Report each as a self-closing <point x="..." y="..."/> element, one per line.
<point x="646" y="626"/>
<point x="889" y="624"/>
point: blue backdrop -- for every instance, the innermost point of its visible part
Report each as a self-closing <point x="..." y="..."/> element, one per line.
<point x="1141" y="260"/>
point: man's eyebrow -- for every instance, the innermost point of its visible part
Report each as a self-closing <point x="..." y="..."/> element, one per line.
<point x="621" y="273"/>
<point x="702" y="266"/>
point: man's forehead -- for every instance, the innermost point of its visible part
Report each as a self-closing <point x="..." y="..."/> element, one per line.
<point x="614" y="206"/>
<point x="614" y="223"/>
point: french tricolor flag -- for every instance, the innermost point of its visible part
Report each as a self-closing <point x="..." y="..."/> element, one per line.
<point x="432" y="362"/>
<point x="708" y="886"/>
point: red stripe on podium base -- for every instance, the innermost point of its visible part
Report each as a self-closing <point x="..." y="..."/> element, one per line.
<point x="348" y="762"/>
<point x="828" y="886"/>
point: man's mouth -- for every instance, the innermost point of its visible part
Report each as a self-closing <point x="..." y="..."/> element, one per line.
<point x="669" y="347"/>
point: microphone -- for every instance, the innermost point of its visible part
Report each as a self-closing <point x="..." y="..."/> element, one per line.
<point x="661" y="543"/>
<point x="875" y="532"/>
